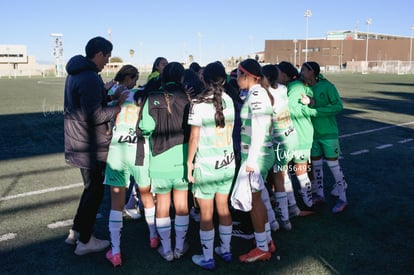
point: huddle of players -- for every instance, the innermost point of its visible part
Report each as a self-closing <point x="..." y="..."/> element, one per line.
<point x="239" y="129"/>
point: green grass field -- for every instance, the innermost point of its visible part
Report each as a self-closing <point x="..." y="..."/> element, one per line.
<point x="374" y="235"/>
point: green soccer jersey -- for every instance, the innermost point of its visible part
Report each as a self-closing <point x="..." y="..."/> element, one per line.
<point x="328" y="103"/>
<point x="301" y="114"/>
<point x="123" y="148"/>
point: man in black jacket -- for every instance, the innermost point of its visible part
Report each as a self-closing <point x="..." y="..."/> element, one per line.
<point x="88" y="132"/>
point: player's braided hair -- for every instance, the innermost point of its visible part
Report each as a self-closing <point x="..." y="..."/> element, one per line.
<point x="214" y="76"/>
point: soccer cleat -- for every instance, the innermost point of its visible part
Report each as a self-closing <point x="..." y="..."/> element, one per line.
<point x="318" y="199"/>
<point x="178" y="253"/>
<point x="274" y="225"/>
<point x="286" y="225"/>
<point x="133" y="213"/>
<point x="293" y="210"/>
<point x="114" y="259"/>
<point x="272" y="246"/>
<point x="169" y="256"/>
<point x="195" y="214"/>
<point x="199" y="260"/>
<point x="154" y="242"/>
<point x="339" y="206"/>
<point x="94" y="245"/>
<point x="254" y="255"/>
<point x="73" y="236"/>
<point x="225" y="256"/>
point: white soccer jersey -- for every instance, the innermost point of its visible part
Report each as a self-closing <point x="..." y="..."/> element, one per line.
<point x="215" y="148"/>
<point x="256" y="115"/>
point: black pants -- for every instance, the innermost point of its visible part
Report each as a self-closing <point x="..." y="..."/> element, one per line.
<point x="90" y="201"/>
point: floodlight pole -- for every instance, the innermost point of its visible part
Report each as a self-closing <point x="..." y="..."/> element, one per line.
<point x="308" y="14"/>
<point x="294" y="51"/>
<point x="58" y="53"/>
<point x="368" y="22"/>
<point x="8" y="60"/>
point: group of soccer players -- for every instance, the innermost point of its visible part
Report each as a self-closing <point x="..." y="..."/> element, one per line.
<point x="250" y="133"/>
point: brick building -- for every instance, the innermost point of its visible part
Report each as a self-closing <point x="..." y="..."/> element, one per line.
<point x="345" y="50"/>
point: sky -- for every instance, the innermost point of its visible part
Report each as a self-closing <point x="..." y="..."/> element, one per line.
<point x="208" y="30"/>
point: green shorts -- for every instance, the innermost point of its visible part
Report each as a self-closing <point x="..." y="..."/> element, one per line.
<point x="121" y="165"/>
<point x="301" y="155"/>
<point x="121" y="177"/>
<point x="163" y="186"/>
<point x="206" y="188"/>
<point x="265" y="161"/>
<point x="329" y="148"/>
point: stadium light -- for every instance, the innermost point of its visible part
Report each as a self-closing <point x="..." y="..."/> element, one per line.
<point x="294" y="51"/>
<point x="411" y="44"/>
<point x="368" y="22"/>
<point x="308" y="14"/>
<point x="57" y="44"/>
<point x="110" y="34"/>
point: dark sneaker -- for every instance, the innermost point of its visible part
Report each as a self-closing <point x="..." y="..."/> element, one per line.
<point x="225" y="256"/>
<point x="339" y="206"/>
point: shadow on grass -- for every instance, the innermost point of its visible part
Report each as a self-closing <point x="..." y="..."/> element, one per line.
<point x="372" y="236"/>
<point x="397" y="102"/>
<point x="32" y="134"/>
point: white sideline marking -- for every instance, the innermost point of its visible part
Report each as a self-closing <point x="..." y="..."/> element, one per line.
<point x="405" y="140"/>
<point x="8" y="236"/>
<point x="375" y="130"/>
<point x="60" y="224"/>
<point x="53" y="189"/>
<point x="384" y="146"/>
<point x="65" y="223"/>
<point x="359" y="152"/>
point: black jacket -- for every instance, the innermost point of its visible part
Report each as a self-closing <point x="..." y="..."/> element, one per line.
<point x="87" y="117"/>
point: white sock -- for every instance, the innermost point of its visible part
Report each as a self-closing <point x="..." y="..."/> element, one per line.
<point x="339" y="178"/>
<point x="115" y="227"/>
<point x="225" y="237"/>
<point x="306" y="189"/>
<point x="164" y="230"/>
<point x="268" y="232"/>
<point x="181" y="227"/>
<point x="261" y="241"/>
<point x="270" y="212"/>
<point x="150" y="219"/>
<point x="207" y="243"/>
<point x="289" y="190"/>
<point x="317" y="166"/>
<point x="282" y="205"/>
